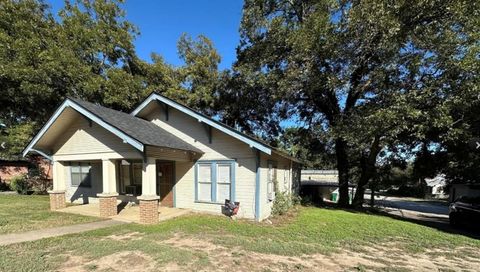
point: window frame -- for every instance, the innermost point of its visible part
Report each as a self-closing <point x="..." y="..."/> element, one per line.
<point x="214" y="181"/>
<point x="82" y="183"/>
<point x="131" y="175"/>
<point x="271" y="166"/>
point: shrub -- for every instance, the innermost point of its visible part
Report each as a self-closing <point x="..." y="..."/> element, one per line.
<point x="19" y="184"/>
<point x="283" y="202"/>
<point x="4" y="186"/>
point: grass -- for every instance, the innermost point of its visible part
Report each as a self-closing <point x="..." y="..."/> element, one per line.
<point x="19" y="213"/>
<point x="312" y="230"/>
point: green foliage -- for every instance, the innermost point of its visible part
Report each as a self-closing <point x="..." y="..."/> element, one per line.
<point x="282" y="203"/>
<point x="20" y="184"/>
<point x="87" y="52"/>
<point x="313" y="150"/>
<point x="15" y="139"/>
<point x="365" y="76"/>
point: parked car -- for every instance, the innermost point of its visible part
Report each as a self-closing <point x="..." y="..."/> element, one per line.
<point x="465" y="210"/>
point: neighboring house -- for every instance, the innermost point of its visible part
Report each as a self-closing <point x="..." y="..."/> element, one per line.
<point x="436" y="186"/>
<point x="12" y="168"/>
<point x="320" y="175"/>
<point x="162" y="151"/>
<point x="463" y="189"/>
<point x="321" y="185"/>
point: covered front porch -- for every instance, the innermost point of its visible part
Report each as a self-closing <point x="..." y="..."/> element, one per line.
<point x="110" y="158"/>
<point x="127" y="212"/>
<point x="137" y="190"/>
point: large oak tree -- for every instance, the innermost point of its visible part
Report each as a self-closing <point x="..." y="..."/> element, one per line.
<point x="372" y="75"/>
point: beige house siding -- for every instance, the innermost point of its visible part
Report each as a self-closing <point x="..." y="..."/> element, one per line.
<point x="78" y="194"/>
<point x="284" y="179"/>
<point x="81" y="140"/>
<point x="195" y="133"/>
<point x="223" y="147"/>
<point x="84" y="140"/>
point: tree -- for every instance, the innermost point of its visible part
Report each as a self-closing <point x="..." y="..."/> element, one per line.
<point x="313" y="150"/>
<point x="367" y="73"/>
<point x="87" y="52"/>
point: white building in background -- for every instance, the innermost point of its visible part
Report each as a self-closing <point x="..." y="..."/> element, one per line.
<point x="437" y="185"/>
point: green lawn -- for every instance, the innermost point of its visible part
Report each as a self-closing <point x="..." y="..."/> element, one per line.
<point x="309" y="239"/>
<point x="19" y="213"/>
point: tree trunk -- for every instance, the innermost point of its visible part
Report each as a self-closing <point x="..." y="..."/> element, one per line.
<point x="343" y="175"/>
<point x="367" y="172"/>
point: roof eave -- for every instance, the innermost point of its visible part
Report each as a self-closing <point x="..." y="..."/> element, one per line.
<point x="202" y="118"/>
<point x="72" y="104"/>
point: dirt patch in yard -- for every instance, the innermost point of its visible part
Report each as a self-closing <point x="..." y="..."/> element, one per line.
<point x="135" y="261"/>
<point x="380" y="257"/>
<point x="125" y="236"/>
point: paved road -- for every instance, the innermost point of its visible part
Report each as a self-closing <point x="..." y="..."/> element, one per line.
<point x="431" y="212"/>
<point x="414" y="205"/>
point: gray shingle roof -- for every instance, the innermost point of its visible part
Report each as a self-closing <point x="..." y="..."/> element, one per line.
<point x="141" y="130"/>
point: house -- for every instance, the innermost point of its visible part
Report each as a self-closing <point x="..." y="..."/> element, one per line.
<point x="163" y="153"/>
<point x="321" y="185"/>
<point x="436" y="186"/>
<point x="12" y="168"/>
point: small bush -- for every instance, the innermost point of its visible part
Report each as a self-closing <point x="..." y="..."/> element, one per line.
<point x="283" y="202"/>
<point x="19" y="184"/>
<point x="4" y="186"/>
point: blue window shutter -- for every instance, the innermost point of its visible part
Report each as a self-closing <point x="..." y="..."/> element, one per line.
<point x="196" y="181"/>
<point x="232" y="181"/>
<point x="214" y="181"/>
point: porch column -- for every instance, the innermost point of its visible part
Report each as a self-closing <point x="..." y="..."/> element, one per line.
<point x="149" y="198"/>
<point x="57" y="195"/>
<point x="108" y="198"/>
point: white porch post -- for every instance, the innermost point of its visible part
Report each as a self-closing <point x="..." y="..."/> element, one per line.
<point x="149" y="198"/>
<point x="57" y="195"/>
<point x="149" y="178"/>
<point x="108" y="198"/>
<point x="109" y="177"/>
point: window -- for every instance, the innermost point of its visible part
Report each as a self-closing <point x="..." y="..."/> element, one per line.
<point x="130" y="176"/>
<point x="80" y="173"/>
<point x="205" y="182"/>
<point x="272" y="180"/>
<point x="223" y="181"/>
<point x="137" y="172"/>
<point x="215" y="181"/>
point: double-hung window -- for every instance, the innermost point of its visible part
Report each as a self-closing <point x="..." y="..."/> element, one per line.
<point x="80" y="173"/>
<point x="204" y="174"/>
<point x="272" y="180"/>
<point x="224" y="181"/>
<point x="214" y="181"/>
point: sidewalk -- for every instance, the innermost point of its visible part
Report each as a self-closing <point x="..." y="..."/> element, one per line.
<point x="34" y="235"/>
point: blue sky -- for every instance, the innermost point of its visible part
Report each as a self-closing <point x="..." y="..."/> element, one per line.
<point x="161" y="23"/>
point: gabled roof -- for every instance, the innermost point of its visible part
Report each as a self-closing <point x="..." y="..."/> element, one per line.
<point x="135" y="131"/>
<point x="251" y="141"/>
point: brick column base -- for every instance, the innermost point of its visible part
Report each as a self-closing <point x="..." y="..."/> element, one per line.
<point x="148" y="210"/>
<point x="108" y="204"/>
<point x="57" y="200"/>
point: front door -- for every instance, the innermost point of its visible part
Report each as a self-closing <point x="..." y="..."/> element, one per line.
<point x="165" y="183"/>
